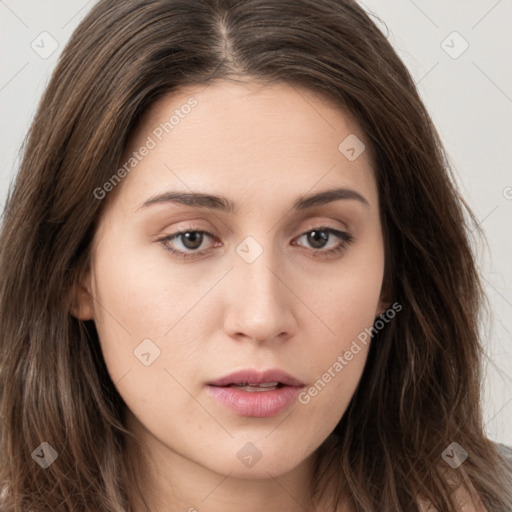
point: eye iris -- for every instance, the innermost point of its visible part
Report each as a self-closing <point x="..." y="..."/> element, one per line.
<point x="317" y="239"/>
<point x="192" y="239"/>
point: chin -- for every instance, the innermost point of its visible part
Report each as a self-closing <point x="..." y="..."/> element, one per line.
<point x="258" y="460"/>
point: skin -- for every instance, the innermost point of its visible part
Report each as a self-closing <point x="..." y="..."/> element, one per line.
<point x="293" y="308"/>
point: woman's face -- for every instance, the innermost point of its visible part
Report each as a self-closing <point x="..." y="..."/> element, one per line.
<point x="264" y="277"/>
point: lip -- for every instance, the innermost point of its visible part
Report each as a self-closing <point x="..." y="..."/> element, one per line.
<point x="253" y="376"/>
<point x="259" y="404"/>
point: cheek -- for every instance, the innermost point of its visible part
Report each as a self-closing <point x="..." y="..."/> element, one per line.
<point x="138" y="288"/>
<point x="347" y="305"/>
<point x="344" y="298"/>
<point x="325" y="400"/>
<point x="151" y="317"/>
<point x="145" y="333"/>
<point x="338" y="360"/>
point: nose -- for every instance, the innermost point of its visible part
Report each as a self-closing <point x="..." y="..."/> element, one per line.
<point x="260" y="302"/>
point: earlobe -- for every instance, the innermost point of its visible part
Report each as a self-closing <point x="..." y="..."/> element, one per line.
<point x="82" y="301"/>
<point x="385" y="295"/>
<point x="384" y="305"/>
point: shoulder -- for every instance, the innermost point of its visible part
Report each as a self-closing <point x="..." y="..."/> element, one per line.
<point x="506" y="451"/>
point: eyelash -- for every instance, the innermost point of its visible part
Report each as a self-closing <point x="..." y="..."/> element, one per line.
<point x="345" y="238"/>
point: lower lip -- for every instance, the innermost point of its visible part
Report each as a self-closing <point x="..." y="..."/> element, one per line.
<point x="258" y="404"/>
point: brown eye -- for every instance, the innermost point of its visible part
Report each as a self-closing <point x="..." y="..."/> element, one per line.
<point x="319" y="238"/>
<point x="192" y="239"/>
<point x="185" y="243"/>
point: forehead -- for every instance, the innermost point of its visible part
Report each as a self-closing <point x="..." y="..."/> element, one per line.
<point x="235" y="138"/>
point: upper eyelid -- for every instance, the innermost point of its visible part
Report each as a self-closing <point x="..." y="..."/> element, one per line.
<point x="318" y="227"/>
<point x="318" y="224"/>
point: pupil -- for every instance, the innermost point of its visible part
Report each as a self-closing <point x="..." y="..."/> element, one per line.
<point x="317" y="238"/>
<point x="192" y="239"/>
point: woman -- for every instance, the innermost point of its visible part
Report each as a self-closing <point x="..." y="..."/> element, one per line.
<point x="235" y="272"/>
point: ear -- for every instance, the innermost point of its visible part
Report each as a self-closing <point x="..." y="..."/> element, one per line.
<point x="385" y="296"/>
<point x="82" y="298"/>
<point x="383" y="306"/>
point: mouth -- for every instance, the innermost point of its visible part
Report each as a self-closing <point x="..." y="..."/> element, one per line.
<point x="254" y="393"/>
<point x="258" y="378"/>
<point x="256" y="388"/>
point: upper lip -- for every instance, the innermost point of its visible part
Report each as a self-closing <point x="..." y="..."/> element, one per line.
<point x="252" y="376"/>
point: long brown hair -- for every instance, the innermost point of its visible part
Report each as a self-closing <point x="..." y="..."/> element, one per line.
<point x="420" y="390"/>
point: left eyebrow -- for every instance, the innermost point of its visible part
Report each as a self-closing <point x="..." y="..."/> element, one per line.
<point x="220" y="203"/>
<point x="329" y="196"/>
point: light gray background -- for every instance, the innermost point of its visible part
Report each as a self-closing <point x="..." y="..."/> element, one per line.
<point x="469" y="96"/>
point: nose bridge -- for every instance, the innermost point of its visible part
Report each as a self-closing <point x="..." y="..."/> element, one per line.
<point x="260" y="306"/>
